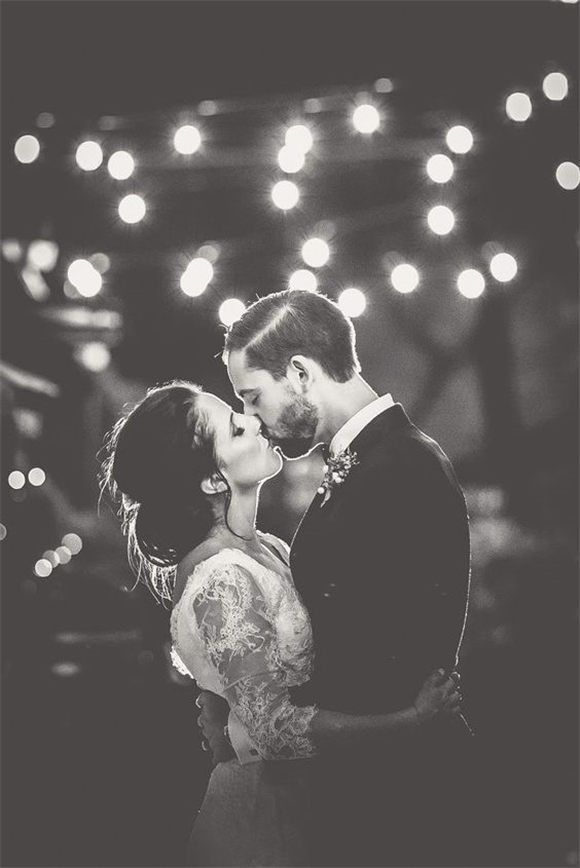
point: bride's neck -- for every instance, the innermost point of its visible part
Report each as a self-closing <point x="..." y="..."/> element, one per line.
<point x="238" y="518"/>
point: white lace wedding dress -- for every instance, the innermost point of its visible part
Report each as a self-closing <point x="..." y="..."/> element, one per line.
<point x="240" y="630"/>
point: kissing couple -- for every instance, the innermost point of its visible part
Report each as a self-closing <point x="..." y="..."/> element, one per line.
<point x="329" y="694"/>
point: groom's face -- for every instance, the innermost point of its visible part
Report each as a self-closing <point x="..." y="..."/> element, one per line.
<point x="289" y="419"/>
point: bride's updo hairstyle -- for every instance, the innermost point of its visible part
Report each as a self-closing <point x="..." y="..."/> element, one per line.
<point x="155" y="459"/>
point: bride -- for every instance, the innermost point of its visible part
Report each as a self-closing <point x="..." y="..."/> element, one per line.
<point x="187" y="471"/>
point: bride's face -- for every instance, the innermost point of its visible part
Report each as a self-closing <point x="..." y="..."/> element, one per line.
<point x="243" y="455"/>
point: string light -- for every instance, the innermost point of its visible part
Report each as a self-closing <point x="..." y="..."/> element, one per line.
<point x="568" y="176"/>
<point x="298" y="138"/>
<point x="43" y="254"/>
<point x="26" y="149"/>
<point x="555" y="86"/>
<point x="405" y="278"/>
<point x="366" y="119"/>
<point x="43" y="568"/>
<point x="45" y="120"/>
<point x="95" y="356"/>
<point x="51" y="557"/>
<point x="85" y="278"/>
<point x="285" y="195"/>
<point x="383" y="85"/>
<point x="441" y="220"/>
<point x="73" y="542"/>
<point x="459" y="139"/>
<point x="187" y="139"/>
<point x="230" y="311"/>
<point x="303" y="279"/>
<point x="471" y="283"/>
<point x="101" y="262"/>
<point x="503" y="267"/>
<point x="132" y="208"/>
<point x="3" y="532"/>
<point x="315" y="252"/>
<point x="196" y="277"/>
<point x="518" y="107"/>
<point x="16" y="480"/>
<point x="36" y="476"/>
<point x="64" y="554"/>
<point x="121" y="165"/>
<point x="290" y="160"/>
<point x="440" y="168"/>
<point x="89" y="156"/>
<point x="352" y="302"/>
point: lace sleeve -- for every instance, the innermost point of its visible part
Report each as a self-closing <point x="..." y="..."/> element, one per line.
<point x="232" y="619"/>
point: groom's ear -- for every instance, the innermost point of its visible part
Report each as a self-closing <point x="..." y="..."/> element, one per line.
<point x="214" y="484"/>
<point x="301" y="371"/>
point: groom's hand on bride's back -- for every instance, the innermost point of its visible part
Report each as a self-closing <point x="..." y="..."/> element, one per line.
<point x="212" y="720"/>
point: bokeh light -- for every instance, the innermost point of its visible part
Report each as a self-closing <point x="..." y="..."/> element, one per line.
<point x="503" y="267"/>
<point x="303" y="279"/>
<point x="43" y="568"/>
<point x="441" y="220"/>
<point x="366" y="118"/>
<point x="36" y="476"/>
<point x="26" y="149"/>
<point x="384" y="85"/>
<point x="64" y="554"/>
<point x="121" y="165"/>
<point x="187" y="139"/>
<point x="405" y="278"/>
<point x="230" y="311"/>
<point x="95" y="356"/>
<point x="298" y="138"/>
<point x="16" y="480"/>
<point x="568" y="175"/>
<point x="12" y="250"/>
<point x="315" y="252"/>
<point x="196" y="277"/>
<point x="73" y="542"/>
<point x="51" y="557"/>
<point x="440" y="168"/>
<point x="132" y="208"/>
<point x="352" y="302"/>
<point x="3" y="531"/>
<point x="459" y="139"/>
<point x="471" y="283"/>
<point x="45" y="120"/>
<point x="518" y="107"/>
<point x="555" y="86"/>
<point x="285" y="195"/>
<point x="89" y="156"/>
<point x="43" y="254"/>
<point x="85" y="278"/>
<point x="290" y="160"/>
<point x="101" y="262"/>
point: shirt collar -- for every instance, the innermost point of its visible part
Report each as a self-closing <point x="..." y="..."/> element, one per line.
<point x="353" y="426"/>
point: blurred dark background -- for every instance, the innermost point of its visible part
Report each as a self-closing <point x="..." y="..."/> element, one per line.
<point x="101" y="758"/>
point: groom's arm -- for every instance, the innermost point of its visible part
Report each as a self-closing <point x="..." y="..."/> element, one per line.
<point x="212" y="720"/>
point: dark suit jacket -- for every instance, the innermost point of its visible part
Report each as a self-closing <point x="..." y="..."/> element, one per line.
<point x="383" y="568"/>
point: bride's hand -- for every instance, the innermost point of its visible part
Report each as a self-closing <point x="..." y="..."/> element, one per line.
<point x="439" y="695"/>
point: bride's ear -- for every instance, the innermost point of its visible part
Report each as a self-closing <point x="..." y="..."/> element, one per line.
<point x="214" y="484"/>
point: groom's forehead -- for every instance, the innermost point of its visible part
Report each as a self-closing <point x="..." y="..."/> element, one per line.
<point x="244" y="377"/>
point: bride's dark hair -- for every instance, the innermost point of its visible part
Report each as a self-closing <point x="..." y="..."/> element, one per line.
<point x="153" y="462"/>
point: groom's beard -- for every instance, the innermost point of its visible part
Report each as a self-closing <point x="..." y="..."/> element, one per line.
<point x="295" y="428"/>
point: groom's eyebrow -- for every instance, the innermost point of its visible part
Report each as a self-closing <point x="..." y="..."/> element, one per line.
<point x="243" y="392"/>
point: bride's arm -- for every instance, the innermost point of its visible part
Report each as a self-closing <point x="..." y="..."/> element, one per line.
<point x="233" y="621"/>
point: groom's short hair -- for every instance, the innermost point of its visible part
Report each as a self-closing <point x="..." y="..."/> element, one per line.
<point x="284" y="324"/>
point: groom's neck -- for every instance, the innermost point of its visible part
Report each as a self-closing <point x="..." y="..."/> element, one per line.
<point x="340" y="402"/>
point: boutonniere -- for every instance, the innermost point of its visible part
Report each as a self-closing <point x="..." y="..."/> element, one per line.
<point x="335" y="472"/>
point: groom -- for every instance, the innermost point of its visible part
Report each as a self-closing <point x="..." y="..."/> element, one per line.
<point x="381" y="560"/>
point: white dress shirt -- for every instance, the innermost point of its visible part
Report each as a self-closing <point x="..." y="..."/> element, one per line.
<point x="353" y="426"/>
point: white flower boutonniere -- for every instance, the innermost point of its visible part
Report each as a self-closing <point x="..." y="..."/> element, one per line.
<point x="335" y="472"/>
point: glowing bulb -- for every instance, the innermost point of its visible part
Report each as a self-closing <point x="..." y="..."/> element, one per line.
<point x="187" y="139"/>
<point x="459" y="139"/>
<point x="518" y="107"/>
<point x="121" y="165"/>
<point x="568" y="176"/>
<point x="3" y="531"/>
<point x="132" y="208"/>
<point x="73" y="542"/>
<point x="383" y="85"/>
<point x="440" y="168"/>
<point x="303" y="279"/>
<point x="299" y="138"/>
<point x="101" y="262"/>
<point x="471" y="283"/>
<point x="230" y="311"/>
<point x="352" y="302"/>
<point x="43" y="568"/>
<point x="45" y="120"/>
<point x="51" y="557"/>
<point x="366" y="119"/>
<point x="441" y="220"/>
<point x="196" y="276"/>
<point x="94" y="356"/>
<point x="16" y="480"/>
<point x="36" y="476"/>
<point x="290" y="160"/>
<point x="285" y="195"/>
<point x="315" y="252"/>
<point x="503" y="267"/>
<point x="27" y="149"/>
<point x="43" y="254"/>
<point x="405" y="278"/>
<point x="85" y="278"/>
<point x="64" y="554"/>
<point x="89" y="156"/>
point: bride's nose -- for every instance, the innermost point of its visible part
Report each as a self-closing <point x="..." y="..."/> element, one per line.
<point x="254" y="424"/>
